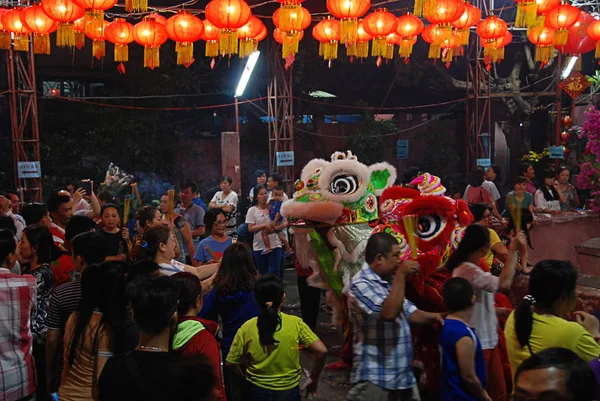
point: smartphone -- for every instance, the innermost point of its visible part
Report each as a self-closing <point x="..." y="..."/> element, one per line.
<point x="87" y="187"/>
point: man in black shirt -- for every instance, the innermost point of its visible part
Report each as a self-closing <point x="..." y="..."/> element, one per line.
<point x="150" y="372"/>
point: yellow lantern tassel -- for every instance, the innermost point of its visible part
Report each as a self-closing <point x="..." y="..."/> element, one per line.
<point x="41" y="44"/>
<point x="447" y="56"/>
<point x="211" y="49"/>
<point x="351" y="50"/>
<point x="330" y="50"/>
<point x="418" y="9"/>
<point x="98" y="49"/>
<point x="228" y="42"/>
<point x="152" y="57"/>
<point x="362" y="49"/>
<point x="463" y="36"/>
<point x="290" y="17"/>
<point x="434" y="50"/>
<point x="65" y="35"/>
<point x="560" y="37"/>
<point x="79" y="39"/>
<point x="526" y="14"/>
<point x="378" y="48"/>
<point x="406" y="48"/>
<point x="500" y="55"/>
<point x="185" y="53"/>
<point x="254" y="45"/>
<point x="289" y="46"/>
<point x="4" y="40"/>
<point x="544" y="53"/>
<point x="121" y="53"/>
<point x="349" y="31"/>
<point x="389" y="52"/>
<point x="140" y="5"/>
<point x="246" y="47"/>
<point x="597" y="55"/>
<point x="321" y="48"/>
<point x="94" y="22"/>
<point x="129" y="6"/>
<point x="21" y="43"/>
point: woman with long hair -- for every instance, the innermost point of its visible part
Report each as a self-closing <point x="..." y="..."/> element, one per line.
<point x="539" y="322"/>
<point x="465" y="262"/>
<point x="94" y="332"/>
<point x="232" y="299"/>
<point x="181" y="228"/>
<point x="548" y="197"/>
<point x="145" y="218"/>
<point x="38" y="250"/>
<point x="571" y="200"/>
<point x="258" y="220"/>
<point x="271" y="343"/>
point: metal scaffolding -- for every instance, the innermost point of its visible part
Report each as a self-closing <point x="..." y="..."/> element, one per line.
<point x="24" y="120"/>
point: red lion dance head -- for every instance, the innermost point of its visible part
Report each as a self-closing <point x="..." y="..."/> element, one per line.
<point x="441" y="222"/>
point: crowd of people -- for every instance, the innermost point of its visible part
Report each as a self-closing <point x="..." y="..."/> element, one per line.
<point x="189" y="307"/>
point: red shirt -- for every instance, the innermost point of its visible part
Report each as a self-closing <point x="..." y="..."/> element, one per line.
<point x="17" y="371"/>
<point x="62" y="268"/>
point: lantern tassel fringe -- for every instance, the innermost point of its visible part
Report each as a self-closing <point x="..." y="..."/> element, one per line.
<point x="185" y="53"/>
<point x="290" y="17"/>
<point x="79" y="40"/>
<point x="65" y="35"/>
<point x="434" y="50"/>
<point x="41" y="44"/>
<point x="378" y="48"/>
<point x="98" y="49"/>
<point x="597" y="55"/>
<point x="4" y="40"/>
<point x="560" y="37"/>
<point x="121" y="53"/>
<point x="246" y="47"/>
<point x="212" y="49"/>
<point x="228" y="42"/>
<point x="349" y="31"/>
<point x="21" y="43"/>
<point x="544" y="53"/>
<point x="463" y="36"/>
<point x="330" y="51"/>
<point x="152" y="57"/>
<point x="526" y="14"/>
<point x="351" y="50"/>
<point x="405" y="48"/>
<point x="94" y="22"/>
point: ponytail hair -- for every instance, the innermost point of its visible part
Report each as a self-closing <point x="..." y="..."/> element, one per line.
<point x="268" y="293"/>
<point x="476" y="237"/>
<point x="151" y="240"/>
<point x="549" y="281"/>
<point x="41" y="240"/>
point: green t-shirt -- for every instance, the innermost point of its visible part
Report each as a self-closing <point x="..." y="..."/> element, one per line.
<point x="274" y="367"/>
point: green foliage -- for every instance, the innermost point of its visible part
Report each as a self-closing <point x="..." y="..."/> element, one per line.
<point x="366" y="142"/>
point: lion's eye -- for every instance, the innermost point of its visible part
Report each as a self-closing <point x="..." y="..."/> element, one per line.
<point x="343" y="184"/>
<point x="429" y="226"/>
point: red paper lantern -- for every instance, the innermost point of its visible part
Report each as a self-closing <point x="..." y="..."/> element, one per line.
<point x="450" y="48"/>
<point x="408" y="28"/>
<point x="435" y="36"/>
<point x="469" y="18"/>
<point x="578" y="42"/>
<point x="98" y="38"/>
<point x="544" y="6"/>
<point x="65" y="12"/>
<point x="391" y="40"/>
<point x="379" y="24"/>
<point x="289" y="17"/>
<point x="361" y="47"/>
<point x="349" y="11"/>
<point x="5" y="40"/>
<point x="263" y="34"/>
<point x="491" y="28"/>
<point x="12" y="21"/>
<point x="443" y="11"/>
<point x="593" y="31"/>
<point x="36" y="20"/>
<point x="493" y="51"/>
<point x="184" y="29"/>
<point x="327" y="32"/>
<point x="120" y="33"/>
<point x="211" y="37"/>
<point x="288" y="41"/>
<point x="542" y="37"/>
<point x="228" y="16"/>
<point x="567" y="121"/>
<point x="158" y="18"/>
<point x="299" y="21"/>
<point x="150" y="34"/>
<point x="94" y="14"/>
<point x="248" y="34"/>
<point x="562" y="18"/>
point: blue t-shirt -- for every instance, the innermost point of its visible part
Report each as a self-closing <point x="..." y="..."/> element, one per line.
<point x="216" y="247"/>
<point x="452" y="386"/>
<point x="274" y="208"/>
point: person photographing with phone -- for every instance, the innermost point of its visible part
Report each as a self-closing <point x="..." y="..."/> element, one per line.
<point x="381" y="314"/>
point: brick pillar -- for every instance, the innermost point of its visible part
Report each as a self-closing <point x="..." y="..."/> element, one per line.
<point x="230" y="158"/>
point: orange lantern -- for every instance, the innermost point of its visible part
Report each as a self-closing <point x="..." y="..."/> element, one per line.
<point x="65" y="12"/>
<point x="578" y="42"/>
<point x="544" y="6"/>
<point x="494" y="50"/>
<point x="379" y="24"/>
<point x="491" y="28"/>
<point x="391" y="40"/>
<point x="79" y="28"/>
<point x="4" y="34"/>
<point x="94" y="14"/>
<point x="290" y="16"/>
<point x="120" y="33"/>
<point x="12" y="21"/>
<point x="184" y="29"/>
<point x="248" y="34"/>
<point x="562" y="18"/>
<point x="435" y="36"/>
<point x="293" y="25"/>
<point x="450" y="48"/>
<point x="98" y="40"/>
<point x="542" y="37"/>
<point x="469" y="18"/>
<point x="158" y="18"/>
<point x="150" y="34"/>
<point x="228" y="16"/>
<point x="408" y="28"/>
<point x="36" y="20"/>
<point x="593" y="31"/>
<point x="327" y="32"/>
<point x="289" y="44"/>
<point x="211" y="37"/>
<point x="443" y="13"/>
<point x="348" y="11"/>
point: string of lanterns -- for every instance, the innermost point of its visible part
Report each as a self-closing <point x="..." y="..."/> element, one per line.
<point x="231" y="29"/>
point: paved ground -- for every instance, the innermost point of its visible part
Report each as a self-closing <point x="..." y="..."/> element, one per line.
<point x="332" y="386"/>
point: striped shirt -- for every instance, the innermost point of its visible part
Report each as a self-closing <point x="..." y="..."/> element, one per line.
<point x="382" y="348"/>
<point x="17" y="368"/>
<point x="64" y="300"/>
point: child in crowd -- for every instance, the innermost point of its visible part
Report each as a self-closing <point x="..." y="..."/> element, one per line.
<point x="276" y="219"/>
<point x="271" y="344"/>
<point x="463" y="364"/>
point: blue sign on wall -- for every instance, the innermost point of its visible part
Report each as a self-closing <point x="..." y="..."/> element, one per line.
<point x="402" y="149"/>
<point x="556" y="152"/>
<point x="484" y="162"/>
